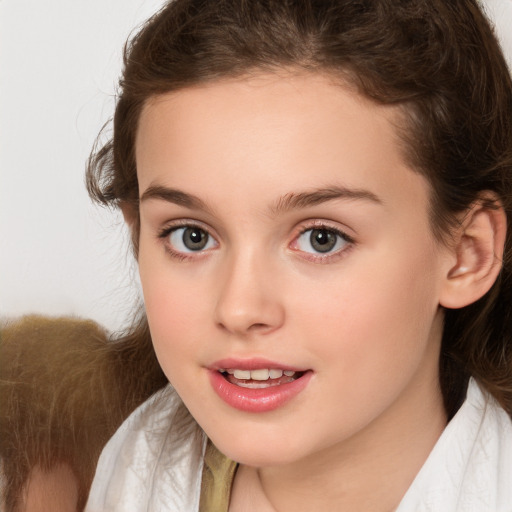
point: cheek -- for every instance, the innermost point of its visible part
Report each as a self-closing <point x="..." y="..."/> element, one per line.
<point x="175" y="312"/>
<point x="372" y="317"/>
<point x="370" y="334"/>
<point x="175" y="322"/>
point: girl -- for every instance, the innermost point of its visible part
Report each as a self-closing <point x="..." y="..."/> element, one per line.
<point x="318" y="195"/>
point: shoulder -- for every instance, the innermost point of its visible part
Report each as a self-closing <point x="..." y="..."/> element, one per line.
<point x="153" y="462"/>
<point x="489" y="468"/>
<point x="470" y="467"/>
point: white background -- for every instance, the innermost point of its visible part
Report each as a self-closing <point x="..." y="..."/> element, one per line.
<point x="59" y="62"/>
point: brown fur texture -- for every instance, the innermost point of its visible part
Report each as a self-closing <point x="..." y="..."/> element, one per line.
<point x="65" y="387"/>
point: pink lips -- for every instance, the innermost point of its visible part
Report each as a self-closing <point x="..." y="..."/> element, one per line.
<point x="256" y="400"/>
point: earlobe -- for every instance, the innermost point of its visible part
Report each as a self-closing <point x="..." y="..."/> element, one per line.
<point x="478" y="252"/>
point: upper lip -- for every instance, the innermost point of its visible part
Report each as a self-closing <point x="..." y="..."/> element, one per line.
<point x="255" y="363"/>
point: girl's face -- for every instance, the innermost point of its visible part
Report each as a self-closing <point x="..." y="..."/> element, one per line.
<point x="282" y="231"/>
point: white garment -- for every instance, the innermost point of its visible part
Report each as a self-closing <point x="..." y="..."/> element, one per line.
<point x="147" y="465"/>
<point x="469" y="469"/>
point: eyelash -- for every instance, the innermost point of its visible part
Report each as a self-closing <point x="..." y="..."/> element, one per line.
<point x="166" y="232"/>
<point x="327" y="257"/>
<point x="316" y="257"/>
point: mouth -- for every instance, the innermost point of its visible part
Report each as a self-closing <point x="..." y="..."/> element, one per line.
<point x="257" y="385"/>
<point x="260" y="378"/>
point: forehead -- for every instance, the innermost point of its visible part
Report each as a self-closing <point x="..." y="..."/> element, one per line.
<point x="270" y="133"/>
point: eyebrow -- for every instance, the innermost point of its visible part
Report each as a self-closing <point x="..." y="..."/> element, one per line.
<point x="297" y="200"/>
<point x="288" y="202"/>
<point x="172" y="195"/>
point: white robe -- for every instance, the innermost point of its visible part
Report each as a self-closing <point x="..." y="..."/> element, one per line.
<point x="142" y="468"/>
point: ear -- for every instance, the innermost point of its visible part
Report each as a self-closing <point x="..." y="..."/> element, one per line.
<point x="477" y="251"/>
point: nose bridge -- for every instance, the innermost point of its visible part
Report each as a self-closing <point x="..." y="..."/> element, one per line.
<point x="248" y="299"/>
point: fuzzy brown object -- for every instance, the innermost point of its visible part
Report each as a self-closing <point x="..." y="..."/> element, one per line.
<point x="65" y="387"/>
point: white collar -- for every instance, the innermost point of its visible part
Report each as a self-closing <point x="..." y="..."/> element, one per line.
<point x="149" y="464"/>
<point x="470" y="467"/>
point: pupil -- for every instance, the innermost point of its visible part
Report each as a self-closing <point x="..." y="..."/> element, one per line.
<point x="322" y="240"/>
<point x="195" y="239"/>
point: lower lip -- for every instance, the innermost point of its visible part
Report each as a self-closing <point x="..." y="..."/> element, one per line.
<point x="257" y="400"/>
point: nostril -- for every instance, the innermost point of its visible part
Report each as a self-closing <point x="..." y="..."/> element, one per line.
<point x="258" y="326"/>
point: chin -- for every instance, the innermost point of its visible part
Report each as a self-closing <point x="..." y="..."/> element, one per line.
<point x="258" y="450"/>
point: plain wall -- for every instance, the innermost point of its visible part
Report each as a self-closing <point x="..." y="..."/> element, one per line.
<point x="59" y="254"/>
<point x="59" y="62"/>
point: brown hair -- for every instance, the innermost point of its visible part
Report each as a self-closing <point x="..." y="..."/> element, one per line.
<point x="437" y="59"/>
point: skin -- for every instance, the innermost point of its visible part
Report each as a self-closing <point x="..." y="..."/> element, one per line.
<point x="55" y="489"/>
<point x="364" y="318"/>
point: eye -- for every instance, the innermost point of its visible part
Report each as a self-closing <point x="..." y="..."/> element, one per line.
<point x="189" y="239"/>
<point x="322" y="240"/>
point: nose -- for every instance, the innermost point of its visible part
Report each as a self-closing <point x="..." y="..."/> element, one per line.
<point x="249" y="301"/>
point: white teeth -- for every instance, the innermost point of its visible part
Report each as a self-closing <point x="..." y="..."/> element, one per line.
<point x="275" y="374"/>
<point x="242" y="374"/>
<point x="256" y="385"/>
<point x="260" y="374"/>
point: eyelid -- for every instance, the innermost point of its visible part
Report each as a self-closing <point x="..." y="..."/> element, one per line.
<point x="183" y="223"/>
<point x="324" y="224"/>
